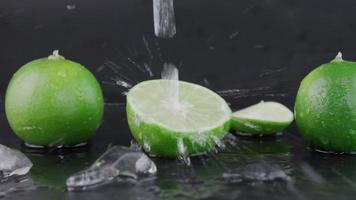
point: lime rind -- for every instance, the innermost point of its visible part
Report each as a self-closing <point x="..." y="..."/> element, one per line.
<point x="258" y="127"/>
<point x="257" y="120"/>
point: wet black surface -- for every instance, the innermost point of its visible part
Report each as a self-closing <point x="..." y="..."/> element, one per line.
<point x="264" y="48"/>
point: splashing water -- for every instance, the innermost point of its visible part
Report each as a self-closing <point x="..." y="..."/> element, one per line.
<point x="218" y="142"/>
<point x="173" y="103"/>
<point x="265" y="91"/>
<point x="182" y="152"/>
<point x="163" y="17"/>
<point x="170" y="72"/>
<point x="121" y="82"/>
<point x="234" y="34"/>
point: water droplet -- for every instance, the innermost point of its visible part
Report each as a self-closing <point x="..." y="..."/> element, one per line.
<point x="146" y="146"/>
<point x="218" y="142"/>
<point x="134" y="145"/>
<point x="182" y="152"/>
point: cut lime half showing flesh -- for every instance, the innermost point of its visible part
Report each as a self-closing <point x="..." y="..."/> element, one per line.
<point x="264" y="118"/>
<point x="188" y="121"/>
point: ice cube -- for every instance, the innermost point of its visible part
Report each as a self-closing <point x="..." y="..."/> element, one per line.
<point x="163" y="17"/>
<point x="258" y="171"/>
<point x="90" y="177"/>
<point x="13" y="162"/>
<point x="264" y="172"/>
<point x="16" y="183"/>
<point x="117" y="161"/>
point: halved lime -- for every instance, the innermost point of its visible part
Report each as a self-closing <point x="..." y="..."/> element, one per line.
<point x="191" y="121"/>
<point x="264" y="118"/>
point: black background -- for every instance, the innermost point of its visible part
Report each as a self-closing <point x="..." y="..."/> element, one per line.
<point x="222" y="44"/>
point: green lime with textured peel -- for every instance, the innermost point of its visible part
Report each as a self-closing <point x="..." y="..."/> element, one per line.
<point x="325" y="107"/>
<point x="264" y="118"/>
<point x="53" y="101"/>
<point x="193" y="123"/>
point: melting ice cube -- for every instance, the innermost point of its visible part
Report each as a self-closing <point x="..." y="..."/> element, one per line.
<point x="264" y="172"/>
<point x="15" y="184"/>
<point x="258" y="171"/>
<point x="117" y="161"/>
<point x="13" y="162"/>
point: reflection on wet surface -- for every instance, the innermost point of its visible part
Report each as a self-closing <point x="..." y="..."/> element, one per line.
<point x="267" y="166"/>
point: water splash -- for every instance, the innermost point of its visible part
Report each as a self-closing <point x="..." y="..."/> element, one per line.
<point x="234" y="34"/>
<point x="209" y="42"/>
<point x="135" y="145"/>
<point x="135" y="64"/>
<point x="259" y="91"/>
<point x="158" y="49"/>
<point x="206" y="82"/>
<point x="114" y="104"/>
<point x="71" y="7"/>
<point x="182" y="152"/>
<point x="148" y="69"/>
<point x="164" y="19"/>
<point x="218" y="143"/>
<point x="171" y="73"/>
<point x="146" y="146"/>
<point x="270" y="72"/>
<point x="147" y="46"/>
<point x="122" y="82"/>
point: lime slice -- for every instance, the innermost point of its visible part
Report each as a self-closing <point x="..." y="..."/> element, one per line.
<point x="192" y="121"/>
<point x="264" y="118"/>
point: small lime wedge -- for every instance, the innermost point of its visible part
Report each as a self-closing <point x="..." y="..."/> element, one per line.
<point x="264" y="118"/>
<point x="192" y="121"/>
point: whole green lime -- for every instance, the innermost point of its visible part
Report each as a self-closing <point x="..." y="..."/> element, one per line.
<point x="53" y="102"/>
<point x="325" y="108"/>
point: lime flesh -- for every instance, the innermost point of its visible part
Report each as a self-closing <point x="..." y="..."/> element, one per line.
<point x="264" y="118"/>
<point x="325" y="106"/>
<point x="166" y="126"/>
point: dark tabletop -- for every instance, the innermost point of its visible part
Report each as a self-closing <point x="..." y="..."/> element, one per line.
<point x="262" y="47"/>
